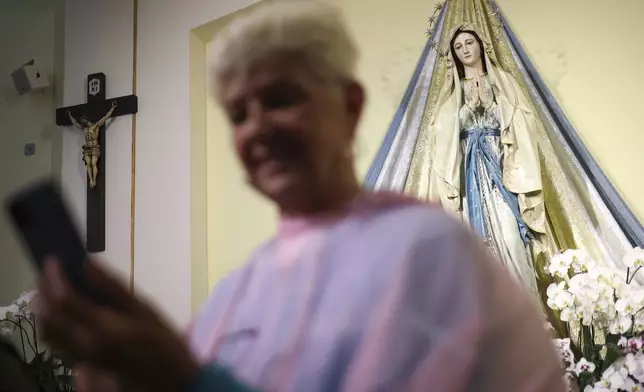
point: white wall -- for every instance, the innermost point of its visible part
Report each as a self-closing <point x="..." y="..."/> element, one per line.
<point x="26" y="31"/>
<point x="99" y="38"/>
<point x="163" y="253"/>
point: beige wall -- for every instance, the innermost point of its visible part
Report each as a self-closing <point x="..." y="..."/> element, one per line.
<point x="389" y="54"/>
<point x="589" y="52"/>
<point x="577" y="52"/>
<point x="237" y="218"/>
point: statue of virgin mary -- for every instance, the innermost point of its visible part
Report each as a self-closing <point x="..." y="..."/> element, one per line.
<point x="478" y="131"/>
<point x="485" y="164"/>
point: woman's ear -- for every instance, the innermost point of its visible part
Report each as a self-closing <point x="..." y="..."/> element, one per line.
<point x="354" y="101"/>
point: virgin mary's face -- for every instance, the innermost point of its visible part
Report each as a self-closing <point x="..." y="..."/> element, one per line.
<point x="467" y="49"/>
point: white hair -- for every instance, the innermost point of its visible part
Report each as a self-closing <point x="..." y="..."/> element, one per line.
<point x="310" y="31"/>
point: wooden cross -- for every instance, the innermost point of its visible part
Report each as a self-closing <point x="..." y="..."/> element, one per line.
<point x="95" y="112"/>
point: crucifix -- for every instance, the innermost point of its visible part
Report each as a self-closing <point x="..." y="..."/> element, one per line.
<point x="92" y="118"/>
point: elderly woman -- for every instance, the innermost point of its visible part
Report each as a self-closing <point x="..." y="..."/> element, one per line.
<point x="356" y="292"/>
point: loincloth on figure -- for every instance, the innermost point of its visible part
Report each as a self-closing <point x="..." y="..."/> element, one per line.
<point x="91" y="151"/>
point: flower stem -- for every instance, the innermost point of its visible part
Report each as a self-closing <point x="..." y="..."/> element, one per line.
<point x="33" y="330"/>
<point x="22" y="330"/>
<point x="629" y="278"/>
<point x="22" y="342"/>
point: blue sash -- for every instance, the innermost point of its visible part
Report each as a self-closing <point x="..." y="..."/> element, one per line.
<point x="479" y="148"/>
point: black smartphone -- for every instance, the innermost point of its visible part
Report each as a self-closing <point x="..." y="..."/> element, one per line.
<point x="46" y="228"/>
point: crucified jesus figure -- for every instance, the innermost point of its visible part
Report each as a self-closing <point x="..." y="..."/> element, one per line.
<point x="91" y="149"/>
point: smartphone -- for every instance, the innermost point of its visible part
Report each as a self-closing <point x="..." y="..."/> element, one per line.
<point x="41" y="217"/>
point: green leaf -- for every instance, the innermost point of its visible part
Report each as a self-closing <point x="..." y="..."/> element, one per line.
<point x="586" y="379"/>
<point x="613" y="353"/>
<point x="587" y="342"/>
<point x="43" y="369"/>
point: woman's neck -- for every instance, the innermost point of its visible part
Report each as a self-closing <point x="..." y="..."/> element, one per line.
<point x="327" y="202"/>
<point x="474" y="71"/>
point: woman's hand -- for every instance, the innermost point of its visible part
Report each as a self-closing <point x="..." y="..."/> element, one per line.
<point x="127" y="339"/>
<point x="89" y="379"/>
